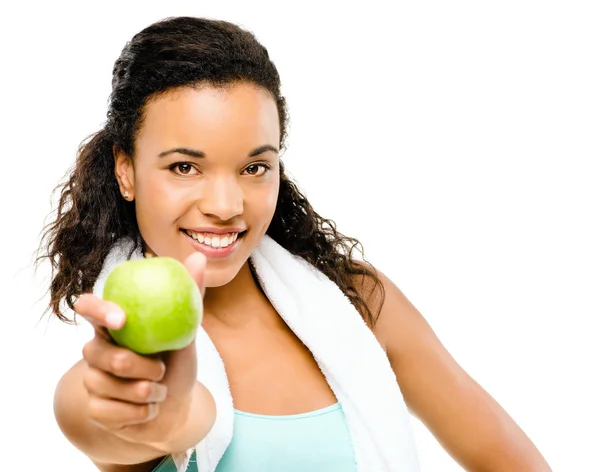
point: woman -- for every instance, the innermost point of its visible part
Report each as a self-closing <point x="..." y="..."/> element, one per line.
<point x="187" y="166"/>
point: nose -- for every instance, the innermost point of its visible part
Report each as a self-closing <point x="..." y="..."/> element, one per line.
<point x="221" y="198"/>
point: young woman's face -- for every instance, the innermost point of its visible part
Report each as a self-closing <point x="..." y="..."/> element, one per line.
<point x="205" y="175"/>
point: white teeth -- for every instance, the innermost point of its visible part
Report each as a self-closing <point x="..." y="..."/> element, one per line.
<point x="213" y="241"/>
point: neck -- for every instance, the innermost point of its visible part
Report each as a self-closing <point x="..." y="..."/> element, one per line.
<point x="235" y="303"/>
<point x="229" y="294"/>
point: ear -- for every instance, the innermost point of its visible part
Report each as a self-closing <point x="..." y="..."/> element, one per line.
<point x="124" y="173"/>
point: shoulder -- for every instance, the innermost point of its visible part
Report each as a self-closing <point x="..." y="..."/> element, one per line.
<point x="397" y="319"/>
<point x="414" y="350"/>
<point x="419" y="360"/>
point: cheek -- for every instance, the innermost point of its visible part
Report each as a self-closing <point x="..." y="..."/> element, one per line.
<point x="272" y="200"/>
<point x="158" y="205"/>
<point x="264" y="203"/>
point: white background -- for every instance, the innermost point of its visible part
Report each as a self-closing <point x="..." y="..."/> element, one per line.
<point x="459" y="141"/>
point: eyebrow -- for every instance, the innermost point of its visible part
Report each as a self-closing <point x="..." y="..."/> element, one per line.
<point x="199" y="154"/>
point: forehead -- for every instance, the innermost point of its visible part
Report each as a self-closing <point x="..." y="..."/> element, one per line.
<point x="206" y="115"/>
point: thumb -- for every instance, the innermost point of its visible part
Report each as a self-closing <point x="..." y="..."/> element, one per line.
<point x="196" y="264"/>
<point x="181" y="371"/>
<point x="181" y="364"/>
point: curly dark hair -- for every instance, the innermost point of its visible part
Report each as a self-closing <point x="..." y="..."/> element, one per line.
<point x="91" y="215"/>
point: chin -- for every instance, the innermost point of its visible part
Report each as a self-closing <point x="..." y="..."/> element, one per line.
<point x="219" y="278"/>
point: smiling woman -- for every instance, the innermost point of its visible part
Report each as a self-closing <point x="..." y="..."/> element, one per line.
<point x="284" y="374"/>
<point x="205" y="174"/>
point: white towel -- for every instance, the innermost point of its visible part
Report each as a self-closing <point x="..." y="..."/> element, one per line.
<point x="350" y="357"/>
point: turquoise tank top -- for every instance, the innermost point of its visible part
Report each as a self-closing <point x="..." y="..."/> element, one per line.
<point x="317" y="441"/>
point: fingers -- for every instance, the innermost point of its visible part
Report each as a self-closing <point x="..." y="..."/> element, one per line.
<point x="101" y="354"/>
<point x="196" y="264"/>
<point x="114" y="414"/>
<point x="104" y="385"/>
<point x="100" y="312"/>
<point x="122" y="386"/>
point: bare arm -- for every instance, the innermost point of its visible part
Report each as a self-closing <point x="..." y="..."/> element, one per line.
<point x="126" y="411"/>
<point x="112" y="453"/>
<point x="473" y="428"/>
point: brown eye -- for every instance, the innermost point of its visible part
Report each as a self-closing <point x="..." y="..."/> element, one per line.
<point x="255" y="169"/>
<point x="182" y="168"/>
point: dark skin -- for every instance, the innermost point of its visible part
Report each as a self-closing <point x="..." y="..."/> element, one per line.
<point x="232" y="186"/>
<point x="255" y="344"/>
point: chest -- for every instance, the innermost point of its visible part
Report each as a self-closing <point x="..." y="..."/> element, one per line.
<point x="269" y="370"/>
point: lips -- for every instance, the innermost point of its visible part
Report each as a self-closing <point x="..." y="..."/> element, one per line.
<point x="213" y="245"/>
<point x="214" y="240"/>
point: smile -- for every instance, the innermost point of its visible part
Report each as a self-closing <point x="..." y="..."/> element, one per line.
<point x="213" y="240"/>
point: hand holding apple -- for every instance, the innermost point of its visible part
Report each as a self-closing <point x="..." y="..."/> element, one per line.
<point x="144" y="398"/>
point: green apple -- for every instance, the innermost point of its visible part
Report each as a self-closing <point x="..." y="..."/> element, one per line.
<point x="162" y="304"/>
